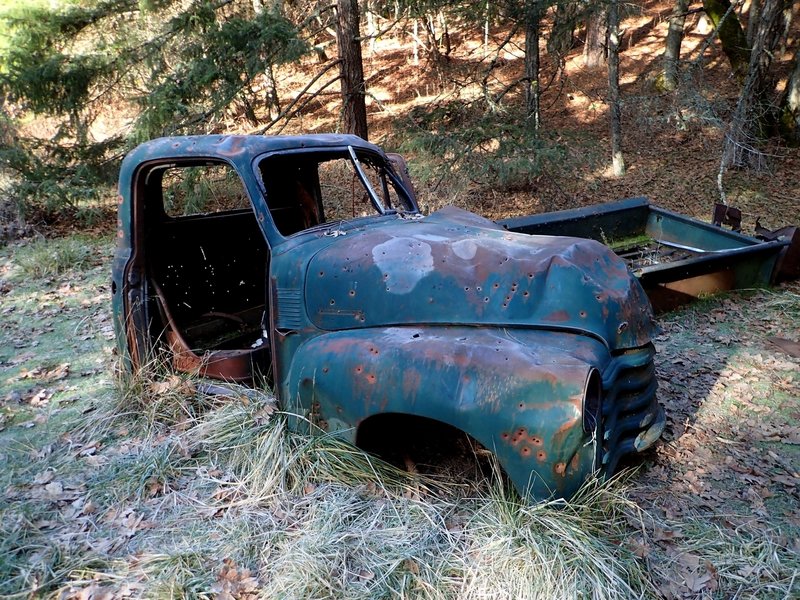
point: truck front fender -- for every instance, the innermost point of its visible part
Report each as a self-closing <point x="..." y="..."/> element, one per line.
<point x="521" y="393"/>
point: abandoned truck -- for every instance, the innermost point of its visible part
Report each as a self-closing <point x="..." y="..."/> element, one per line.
<point x="305" y="261"/>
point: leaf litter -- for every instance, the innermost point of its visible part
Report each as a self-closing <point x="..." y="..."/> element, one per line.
<point x="729" y="462"/>
<point x="122" y="502"/>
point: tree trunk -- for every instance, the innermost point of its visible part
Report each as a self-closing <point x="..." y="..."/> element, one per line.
<point x="433" y="44"/>
<point x="747" y="124"/>
<point x="532" y="63"/>
<point x="562" y="33"/>
<point x="672" y="48"/>
<point x="372" y="28"/>
<point x="486" y="23"/>
<point x="594" y="49"/>
<point x="273" y="101"/>
<point x="351" y="69"/>
<point x="445" y="37"/>
<point x="416" y="41"/>
<point x="731" y="36"/>
<point x="790" y="107"/>
<point x="615" y="110"/>
<point x="789" y="13"/>
<point x="752" y="21"/>
<point x="270" y="86"/>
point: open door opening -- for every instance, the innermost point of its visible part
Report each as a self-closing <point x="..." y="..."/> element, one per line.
<point x="205" y="267"/>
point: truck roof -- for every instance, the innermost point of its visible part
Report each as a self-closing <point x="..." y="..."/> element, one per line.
<point x="239" y="146"/>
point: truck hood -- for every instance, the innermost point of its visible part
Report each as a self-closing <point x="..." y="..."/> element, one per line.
<point x="454" y="267"/>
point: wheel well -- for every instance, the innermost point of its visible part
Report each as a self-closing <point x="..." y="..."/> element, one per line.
<point x="426" y="446"/>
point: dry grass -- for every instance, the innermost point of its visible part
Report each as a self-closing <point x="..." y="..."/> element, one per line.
<point x="199" y="496"/>
<point x="193" y="482"/>
<point x="156" y="488"/>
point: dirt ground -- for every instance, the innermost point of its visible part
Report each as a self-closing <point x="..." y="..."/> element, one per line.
<point x="729" y="379"/>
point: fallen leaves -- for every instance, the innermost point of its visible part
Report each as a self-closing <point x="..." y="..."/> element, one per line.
<point x="96" y="590"/>
<point x="44" y="477"/>
<point x="173" y="384"/>
<point x="54" y="490"/>
<point x="39" y="398"/>
<point x="45" y="373"/>
<point x="235" y="583"/>
<point x="784" y="434"/>
<point x="732" y="403"/>
<point x="701" y="578"/>
<point x="126" y="521"/>
<point x="47" y="487"/>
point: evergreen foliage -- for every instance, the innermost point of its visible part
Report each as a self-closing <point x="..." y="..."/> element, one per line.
<point x="177" y="66"/>
<point x="472" y="141"/>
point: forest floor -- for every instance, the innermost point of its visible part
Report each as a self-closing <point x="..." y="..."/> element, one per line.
<point x="115" y="488"/>
<point x="110" y="490"/>
<point x="465" y="150"/>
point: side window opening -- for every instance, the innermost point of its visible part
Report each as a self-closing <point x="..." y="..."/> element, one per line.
<point x="206" y="266"/>
<point x="202" y="189"/>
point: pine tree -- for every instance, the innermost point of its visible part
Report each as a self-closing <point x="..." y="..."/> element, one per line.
<point x="177" y="67"/>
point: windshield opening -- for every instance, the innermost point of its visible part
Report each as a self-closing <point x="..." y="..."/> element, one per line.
<point x="304" y="190"/>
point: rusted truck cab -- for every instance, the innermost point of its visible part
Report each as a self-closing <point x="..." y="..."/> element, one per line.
<point x="305" y="261"/>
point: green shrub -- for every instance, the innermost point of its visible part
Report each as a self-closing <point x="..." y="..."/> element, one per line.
<point x="458" y="148"/>
<point x="45" y="258"/>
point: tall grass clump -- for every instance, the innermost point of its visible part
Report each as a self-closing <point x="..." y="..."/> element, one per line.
<point x="239" y="495"/>
<point x="786" y="303"/>
<point x="555" y="549"/>
<point x="350" y="542"/>
<point x="156" y="399"/>
<point x="267" y="458"/>
<point x="355" y="543"/>
<point x="49" y="257"/>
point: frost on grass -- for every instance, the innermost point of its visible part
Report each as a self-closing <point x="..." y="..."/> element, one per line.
<point x="188" y="495"/>
<point x="165" y="491"/>
<point x="45" y="258"/>
<point x="174" y="493"/>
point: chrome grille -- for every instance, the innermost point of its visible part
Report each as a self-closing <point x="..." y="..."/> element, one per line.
<point x="630" y="406"/>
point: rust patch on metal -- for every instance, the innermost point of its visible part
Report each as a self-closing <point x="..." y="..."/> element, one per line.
<point x="519" y="435"/>
<point x="561" y="316"/>
<point x="412" y="380"/>
<point x="575" y="462"/>
<point x="727" y="215"/>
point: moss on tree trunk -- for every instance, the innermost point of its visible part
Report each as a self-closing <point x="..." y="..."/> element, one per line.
<point x="790" y="107"/>
<point x="731" y="34"/>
